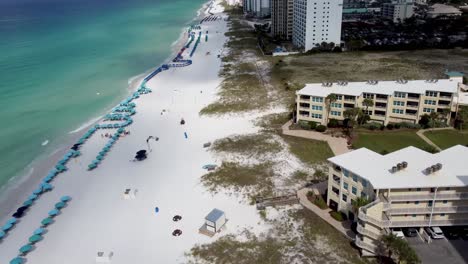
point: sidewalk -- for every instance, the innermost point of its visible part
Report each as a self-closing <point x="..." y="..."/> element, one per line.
<point x="337" y="145"/>
<point x="343" y="227"/>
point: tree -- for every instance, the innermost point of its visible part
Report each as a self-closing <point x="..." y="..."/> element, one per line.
<point x="462" y="116"/>
<point x="358" y="203"/>
<point x="350" y="116"/>
<point x="400" y="249"/>
<point x="367" y="103"/>
<point x="330" y="99"/>
<point x="433" y="119"/>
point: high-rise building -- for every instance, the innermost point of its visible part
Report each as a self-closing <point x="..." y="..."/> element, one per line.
<point x="315" y="22"/>
<point x="282" y="18"/>
<point x="257" y="8"/>
<point x="398" y="10"/>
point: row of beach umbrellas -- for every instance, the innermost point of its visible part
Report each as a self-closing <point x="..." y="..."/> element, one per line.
<point x="39" y="232"/>
<point x="95" y="163"/>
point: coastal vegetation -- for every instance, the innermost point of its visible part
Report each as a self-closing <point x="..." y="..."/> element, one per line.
<point x="250" y="145"/>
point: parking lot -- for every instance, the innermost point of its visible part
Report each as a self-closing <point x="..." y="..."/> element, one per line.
<point x="440" y="250"/>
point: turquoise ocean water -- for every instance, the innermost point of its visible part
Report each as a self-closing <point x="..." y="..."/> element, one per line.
<point x="64" y="62"/>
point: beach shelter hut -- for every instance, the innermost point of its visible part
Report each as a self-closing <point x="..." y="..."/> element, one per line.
<point x="35" y="238"/>
<point x="39" y="231"/>
<point x="12" y="221"/>
<point x="215" y="220"/>
<point x="47" y="221"/>
<point x="25" y="249"/>
<point x="65" y="198"/>
<point x="60" y="205"/>
<point x="7" y="227"/>
<point x="17" y="260"/>
<point x="54" y="212"/>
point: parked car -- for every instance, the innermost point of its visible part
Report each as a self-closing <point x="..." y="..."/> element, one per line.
<point x="435" y="232"/>
<point x="410" y="232"/>
<point x="398" y="233"/>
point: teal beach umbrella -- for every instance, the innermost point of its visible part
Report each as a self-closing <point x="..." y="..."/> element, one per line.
<point x="25" y="249"/>
<point x="17" y="260"/>
<point x="35" y="238"/>
<point x="47" y="221"/>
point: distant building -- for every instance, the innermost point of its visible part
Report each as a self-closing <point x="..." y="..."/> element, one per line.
<point x="316" y="21"/>
<point x="353" y="14"/>
<point x="282" y="18"/>
<point x="398" y="10"/>
<point x="443" y="10"/>
<point x="393" y="101"/>
<point x="405" y="188"/>
<point x="257" y="8"/>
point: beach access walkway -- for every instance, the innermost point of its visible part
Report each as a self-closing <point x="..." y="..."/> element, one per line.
<point x="337" y="144"/>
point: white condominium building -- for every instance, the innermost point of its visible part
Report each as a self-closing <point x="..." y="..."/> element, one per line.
<point x="282" y="18"/>
<point x="406" y="188"/>
<point x="393" y="101"/>
<point x="316" y="21"/>
<point x="258" y="8"/>
<point x="398" y="11"/>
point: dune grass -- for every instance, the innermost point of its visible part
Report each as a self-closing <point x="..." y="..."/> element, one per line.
<point x="248" y="145"/>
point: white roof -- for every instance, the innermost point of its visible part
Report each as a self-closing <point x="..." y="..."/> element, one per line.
<point x="443" y="9"/>
<point x="382" y="87"/>
<point x="375" y="167"/>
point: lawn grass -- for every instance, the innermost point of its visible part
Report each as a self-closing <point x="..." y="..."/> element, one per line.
<point x="447" y="138"/>
<point x="309" y="151"/>
<point x="388" y="141"/>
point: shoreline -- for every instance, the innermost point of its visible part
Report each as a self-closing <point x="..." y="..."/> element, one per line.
<point x="14" y="191"/>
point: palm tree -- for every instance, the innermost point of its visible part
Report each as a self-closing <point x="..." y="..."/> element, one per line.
<point x="433" y="118"/>
<point x="358" y="203"/>
<point x="367" y="103"/>
<point x="389" y="242"/>
<point x="330" y="99"/>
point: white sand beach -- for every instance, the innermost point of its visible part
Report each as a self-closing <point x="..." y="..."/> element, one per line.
<point x="98" y="218"/>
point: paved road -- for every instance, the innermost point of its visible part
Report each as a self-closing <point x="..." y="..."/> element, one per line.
<point x="440" y="251"/>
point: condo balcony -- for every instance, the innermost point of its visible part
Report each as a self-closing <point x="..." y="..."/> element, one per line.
<point x="362" y="230"/>
<point x="429" y="210"/>
<point x="367" y="246"/>
<point x="428" y="197"/>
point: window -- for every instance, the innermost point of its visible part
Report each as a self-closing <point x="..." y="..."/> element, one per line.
<point x="345" y="185"/>
<point x="414" y="215"/>
<point x="345" y="197"/>
<point x="336" y="105"/>
<point x="431" y="93"/>
<point x="354" y="178"/>
<point x="447" y="189"/>
<point x="317" y="99"/>
<point x="418" y="189"/>
<point x="368" y="95"/>
<point x="317" y="107"/>
<point x="442" y="214"/>
<point x="346" y="173"/>
<point x="428" y="110"/>
<point x="400" y="95"/>
<point x="445" y="201"/>
<point x="417" y="202"/>
<point x="363" y="194"/>
<point x="399" y="103"/>
<point x="430" y="102"/>
<point x="339" y="97"/>
<point x="318" y="116"/>
<point x="335" y="113"/>
<point x="429" y="203"/>
<point x="364" y="183"/>
<point x="397" y="111"/>
<point x="354" y="190"/>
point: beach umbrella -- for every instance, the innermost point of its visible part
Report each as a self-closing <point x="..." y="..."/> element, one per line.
<point x="21" y="210"/>
<point x="35" y="238"/>
<point x="46" y="221"/>
<point x="25" y="249"/>
<point x="17" y="260"/>
<point x="2" y="234"/>
<point x="76" y="153"/>
<point x="99" y="157"/>
<point x="92" y="166"/>
<point x="96" y="162"/>
<point x="53" y="212"/>
<point x="102" y="153"/>
<point x="60" y="205"/>
<point x="32" y="197"/>
<point x="47" y="179"/>
<point x="39" y="231"/>
<point x="38" y="191"/>
<point x="18" y="214"/>
<point x="7" y="227"/>
<point x="28" y="202"/>
<point x="12" y="221"/>
<point x="65" y="198"/>
<point x="46" y="187"/>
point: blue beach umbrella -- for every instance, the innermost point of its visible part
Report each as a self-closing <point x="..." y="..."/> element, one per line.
<point x="76" y="153"/>
<point x="53" y="212"/>
<point x="25" y="249"/>
<point x="7" y="227"/>
<point x="17" y="260"/>
<point x="46" y="187"/>
<point x="35" y="238"/>
<point x="99" y="157"/>
<point x="60" y="205"/>
<point x="47" y="179"/>
<point x="92" y="166"/>
<point x="102" y="153"/>
<point x="46" y="221"/>
<point x="32" y="197"/>
<point x="38" y="191"/>
<point x="2" y="234"/>
<point x="65" y="198"/>
<point x="39" y="231"/>
<point x="28" y="202"/>
<point x="12" y="221"/>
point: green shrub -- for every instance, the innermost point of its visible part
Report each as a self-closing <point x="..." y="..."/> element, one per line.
<point x="321" y="128"/>
<point x="397" y="126"/>
<point x="304" y="124"/>
<point x="338" y="216"/>
<point x="312" y="125"/>
<point x="389" y="126"/>
<point x="320" y="202"/>
<point x="333" y="123"/>
<point x="372" y="125"/>
<point x="409" y="125"/>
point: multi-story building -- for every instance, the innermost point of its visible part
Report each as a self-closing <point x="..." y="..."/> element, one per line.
<point x="405" y="188"/>
<point x="393" y="101"/>
<point x="282" y="18"/>
<point x="257" y="8"/>
<point x="398" y="10"/>
<point x="315" y="22"/>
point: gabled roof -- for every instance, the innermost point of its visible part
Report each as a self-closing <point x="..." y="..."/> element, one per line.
<point x="376" y="168"/>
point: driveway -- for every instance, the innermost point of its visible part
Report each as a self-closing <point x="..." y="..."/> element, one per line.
<point x="440" y="250"/>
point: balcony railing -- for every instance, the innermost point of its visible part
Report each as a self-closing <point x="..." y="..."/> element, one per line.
<point x="367" y="246"/>
<point x="428" y="210"/>
<point x="367" y="232"/>
<point x="432" y="196"/>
